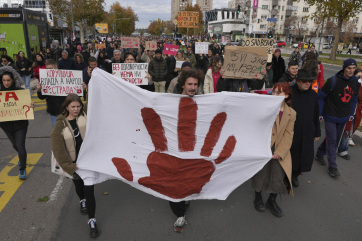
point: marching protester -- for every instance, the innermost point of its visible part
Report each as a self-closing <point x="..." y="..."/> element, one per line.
<point x="296" y="56"/>
<point x="24" y="66"/>
<point x="54" y="103"/>
<point x="269" y="75"/>
<point x="15" y="130"/>
<point x="188" y="81"/>
<point x="213" y="74"/>
<point x="66" y="62"/>
<point x="79" y="62"/>
<point x="290" y="75"/>
<point x="310" y="50"/>
<point x="278" y="66"/>
<point x="115" y="59"/>
<point x="38" y="64"/>
<point x="172" y="87"/>
<point x="337" y="103"/>
<point x="313" y="67"/>
<point x="158" y="70"/>
<point x="66" y="138"/>
<point x="87" y="74"/>
<point x="189" y="56"/>
<point x="202" y="62"/>
<point x="171" y="65"/>
<point x="7" y="61"/>
<point x="275" y="177"/>
<point x="306" y="127"/>
<point x="351" y="125"/>
<point x="56" y="51"/>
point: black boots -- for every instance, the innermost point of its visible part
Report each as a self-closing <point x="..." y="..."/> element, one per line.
<point x="295" y="181"/>
<point x="94" y="232"/>
<point x="258" y="202"/>
<point x="273" y="206"/>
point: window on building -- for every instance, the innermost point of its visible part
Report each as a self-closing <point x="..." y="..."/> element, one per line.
<point x="281" y="17"/>
<point x="283" y="8"/>
<point x="278" y="8"/>
<point x="262" y="26"/>
<point x="264" y="7"/>
<point x="264" y="17"/>
<point x="355" y="20"/>
<point x="305" y="9"/>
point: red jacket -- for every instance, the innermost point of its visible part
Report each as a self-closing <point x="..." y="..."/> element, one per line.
<point x="36" y="70"/>
<point x="320" y="78"/>
<point x="357" y="117"/>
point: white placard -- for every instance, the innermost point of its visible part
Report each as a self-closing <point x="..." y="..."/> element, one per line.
<point x="134" y="73"/>
<point x="61" y="82"/>
<point x="201" y="47"/>
<point x="179" y="64"/>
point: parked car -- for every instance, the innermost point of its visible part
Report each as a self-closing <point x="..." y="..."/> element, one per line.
<point x="279" y="43"/>
<point x="326" y="46"/>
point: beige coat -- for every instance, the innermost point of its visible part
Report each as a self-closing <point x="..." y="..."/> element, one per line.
<point x="208" y="82"/>
<point x="282" y="137"/>
<point x="63" y="142"/>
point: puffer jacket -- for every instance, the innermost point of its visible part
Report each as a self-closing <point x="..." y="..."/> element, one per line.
<point x="63" y="142"/>
<point x="157" y="68"/>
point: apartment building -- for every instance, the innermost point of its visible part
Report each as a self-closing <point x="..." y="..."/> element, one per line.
<point x="206" y="5"/>
<point x="178" y="5"/>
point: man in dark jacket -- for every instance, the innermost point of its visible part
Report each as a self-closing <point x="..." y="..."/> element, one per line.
<point x="278" y="66"/>
<point x="117" y="58"/>
<point x="66" y="62"/>
<point x="54" y="103"/>
<point x="337" y="103"/>
<point x="290" y="75"/>
<point x="306" y="127"/>
<point x="157" y="68"/>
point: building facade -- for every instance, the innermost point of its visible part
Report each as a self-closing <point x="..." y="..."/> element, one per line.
<point x="205" y="5"/>
<point x="178" y="5"/>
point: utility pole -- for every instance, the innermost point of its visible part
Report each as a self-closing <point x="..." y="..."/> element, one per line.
<point x="71" y="10"/>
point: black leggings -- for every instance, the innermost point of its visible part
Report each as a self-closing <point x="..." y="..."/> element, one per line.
<point x="179" y="208"/>
<point x="87" y="193"/>
<point x="17" y="139"/>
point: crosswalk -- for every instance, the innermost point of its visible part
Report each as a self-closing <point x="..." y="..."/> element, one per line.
<point x="38" y="103"/>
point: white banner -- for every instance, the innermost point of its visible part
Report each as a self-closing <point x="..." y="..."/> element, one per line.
<point x="61" y="82"/>
<point x="173" y="146"/>
<point x="133" y="73"/>
<point x="201" y="47"/>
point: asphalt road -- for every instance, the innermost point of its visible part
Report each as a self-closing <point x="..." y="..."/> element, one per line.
<point x="323" y="208"/>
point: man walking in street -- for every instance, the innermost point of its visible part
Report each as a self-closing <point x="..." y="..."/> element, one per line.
<point x="337" y="102"/>
<point x="157" y="68"/>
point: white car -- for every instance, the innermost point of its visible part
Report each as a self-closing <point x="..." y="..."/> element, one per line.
<point x="295" y="45"/>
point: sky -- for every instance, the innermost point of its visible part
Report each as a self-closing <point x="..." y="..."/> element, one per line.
<point x="148" y="10"/>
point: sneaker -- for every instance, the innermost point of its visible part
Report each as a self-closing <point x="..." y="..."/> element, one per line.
<point x="333" y="172"/>
<point x="22" y="174"/>
<point x="320" y="160"/>
<point x="350" y="142"/>
<point x="94" y="232"/>
<point x="345" y="157"/>
<point x="179" y="224"/>
<point x="83" y="207"/>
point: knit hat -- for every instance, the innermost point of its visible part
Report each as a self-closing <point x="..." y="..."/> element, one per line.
<point x="277" y="50"/>
<point x="186" y="64"/>
<point x="349" y="62"/>
<point x="158" y="51"/>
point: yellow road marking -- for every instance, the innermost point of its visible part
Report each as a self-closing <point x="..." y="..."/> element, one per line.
<point x="9" y="184"/>
<point x="44" y="107"/>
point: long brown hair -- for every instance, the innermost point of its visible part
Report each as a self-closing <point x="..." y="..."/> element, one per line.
<point x="71" y="98"/>
<point x="213" y="64"/>
<point x="284" y="87"/>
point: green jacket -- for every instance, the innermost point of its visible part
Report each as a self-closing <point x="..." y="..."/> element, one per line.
<point x="192" y="59"/>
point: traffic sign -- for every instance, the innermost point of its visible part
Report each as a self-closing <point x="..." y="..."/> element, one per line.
<point x="271" y="24"/>
<point x="272" y="19"/>
<point x="175" y="22"/>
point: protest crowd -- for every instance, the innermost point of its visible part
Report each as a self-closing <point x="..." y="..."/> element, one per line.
<point x="192" y="67"/>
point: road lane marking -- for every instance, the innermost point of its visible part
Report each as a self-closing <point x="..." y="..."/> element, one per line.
<point x="58" y="187"/>
<point x="10" y="184"/>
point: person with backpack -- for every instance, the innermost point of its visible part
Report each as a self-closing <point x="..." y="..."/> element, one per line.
<point x="337" y="103"/>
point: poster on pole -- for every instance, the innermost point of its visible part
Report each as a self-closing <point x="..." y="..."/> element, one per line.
<point x="188" y="19"/>
<point x="244" y="62"/>
<point x="151" y="45"/>
<point x="102" y="27"/>
<point x="61" y="82"/>
<point x="15" y="105"/>
<point x="201" y="47"/>
<point x="134" y="73"/>
<point x="130" y="43"/>
<point x="170" y="49"/>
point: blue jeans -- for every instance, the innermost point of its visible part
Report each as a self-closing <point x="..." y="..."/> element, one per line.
<point x="17" y="139"/>
<point x="330" y="144"/>
<point x="53" y="118"/>
<point x="343" y="145"/>
<point x="26" y="79"/>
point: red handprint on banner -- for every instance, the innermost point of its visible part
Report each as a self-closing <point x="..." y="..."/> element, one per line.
<point x="172" y="176"/>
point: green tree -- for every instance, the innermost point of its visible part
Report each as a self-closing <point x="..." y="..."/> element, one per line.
<point x="342" y="10"/>
<point x="156" y="27"/>
<point x="201" y="28"/>
<point x="85" y="12"/>
<point x="123" y="18"/>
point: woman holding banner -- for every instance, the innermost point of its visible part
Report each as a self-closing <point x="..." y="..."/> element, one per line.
<point x="15" y="130"/>
<point x="275" y="177"/>
<point x="66" y="139"/>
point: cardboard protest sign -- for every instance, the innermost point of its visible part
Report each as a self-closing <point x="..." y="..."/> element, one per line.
<point x="179" y="64"/>
<point x="259" y="42"/>
<point x="170" y="49"/>
<point x="244" y="62"/>
<point x="100" y="46"/>
<point x="15" y="105"/>
<point x="61" y="82"/>
<point x="188" y="19"/>
<point x="201" y="47"/>
<point x="134" y="73"/>
<point x="130" y="43"/>
<point x="151" y="45"/>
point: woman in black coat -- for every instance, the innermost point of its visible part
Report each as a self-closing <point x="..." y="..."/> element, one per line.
<point x="278" y="66"/>
<point x="306" y="127"/>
